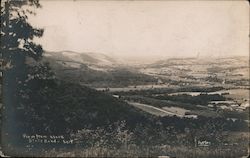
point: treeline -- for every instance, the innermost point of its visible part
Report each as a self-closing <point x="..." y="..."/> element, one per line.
<point x="202" y="99"/>
<point x="153" y="91"/>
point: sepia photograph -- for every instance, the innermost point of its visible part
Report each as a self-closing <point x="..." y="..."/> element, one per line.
<point x="125" y="78"/>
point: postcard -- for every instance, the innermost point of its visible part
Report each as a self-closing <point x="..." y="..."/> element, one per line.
<point x="167" y="79"/>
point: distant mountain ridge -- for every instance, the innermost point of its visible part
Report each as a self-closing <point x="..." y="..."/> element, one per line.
<point x="89" y="58"/>
<point x="198" y="61"/>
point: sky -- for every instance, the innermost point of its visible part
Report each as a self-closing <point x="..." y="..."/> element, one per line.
<point x="146" y="29"/>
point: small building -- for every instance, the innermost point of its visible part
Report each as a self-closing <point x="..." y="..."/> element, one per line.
<point x="210" y="105"/>
<point x="234" y="105"/>
<point x="244" y="105"/>
<point x="159" y="81"/>
<point x="191" y="116"/>
<point x="117" y="96"/>
<point x="226" y="107"/>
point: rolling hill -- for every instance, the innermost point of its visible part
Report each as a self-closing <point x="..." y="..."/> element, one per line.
<point x="88" y="58"/>
<point x="94" y="70"/>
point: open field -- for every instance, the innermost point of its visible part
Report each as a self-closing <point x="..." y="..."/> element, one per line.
<point x="165" y="111"/>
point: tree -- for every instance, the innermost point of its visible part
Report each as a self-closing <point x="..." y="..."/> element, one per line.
<point x="16" y="33"/>
<point x="17" y="44"/>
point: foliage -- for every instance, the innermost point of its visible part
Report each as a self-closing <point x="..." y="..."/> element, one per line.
<point x="16" y="45"/>
<point x="150" y="92"/>
<point x="59" y="107"/>
<point x="16" y="33"/>
<point x="114" y="136"/>
<point x="202" y="99"/>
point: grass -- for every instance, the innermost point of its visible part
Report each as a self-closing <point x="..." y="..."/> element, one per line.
<point x="155" y="151"/>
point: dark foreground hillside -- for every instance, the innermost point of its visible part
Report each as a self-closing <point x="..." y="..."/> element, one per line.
<point x="100" y="125"/>
<point x="51" y="106"/>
